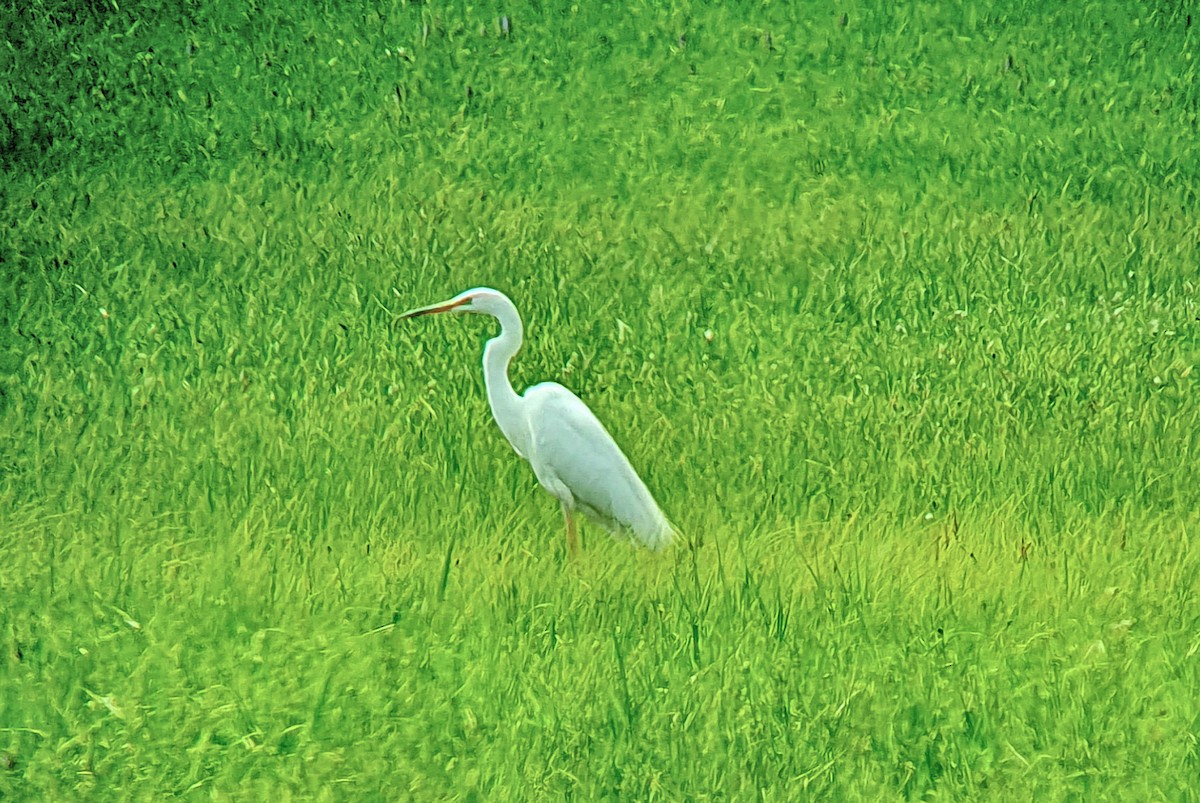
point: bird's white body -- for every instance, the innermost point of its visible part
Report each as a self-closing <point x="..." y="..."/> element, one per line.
<point x="579" y="463"/>
<point x="573" y="456"/>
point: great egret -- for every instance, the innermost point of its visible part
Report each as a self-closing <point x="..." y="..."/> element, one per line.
<point x="573" y="456"/>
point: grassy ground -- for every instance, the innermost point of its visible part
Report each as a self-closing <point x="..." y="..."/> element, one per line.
<point x="896" y="307"/>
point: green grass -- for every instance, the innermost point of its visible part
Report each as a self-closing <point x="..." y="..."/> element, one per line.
<point x="936" y="464"/>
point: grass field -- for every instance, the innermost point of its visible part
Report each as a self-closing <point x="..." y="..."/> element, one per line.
<point x="895" y="307"/>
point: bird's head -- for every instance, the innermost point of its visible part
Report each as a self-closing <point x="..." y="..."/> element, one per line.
<point x="481" y="300"/>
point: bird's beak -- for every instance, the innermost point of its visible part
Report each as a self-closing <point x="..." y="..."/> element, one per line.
<point x="433" y="309"/>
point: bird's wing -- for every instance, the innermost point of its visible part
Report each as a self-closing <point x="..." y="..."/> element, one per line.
<point x="569" y="446"/>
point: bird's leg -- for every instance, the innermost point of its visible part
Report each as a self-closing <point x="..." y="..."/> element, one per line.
<point x="572" y="540"/>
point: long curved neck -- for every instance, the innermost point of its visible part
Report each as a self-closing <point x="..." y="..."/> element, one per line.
<point x="505" y="403"/>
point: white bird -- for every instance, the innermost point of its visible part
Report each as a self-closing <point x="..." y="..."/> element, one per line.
<point x="573" y="456"/>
